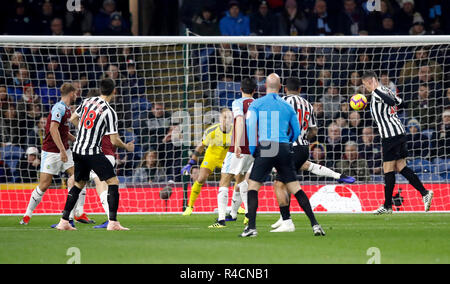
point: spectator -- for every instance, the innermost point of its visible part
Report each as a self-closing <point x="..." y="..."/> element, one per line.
<point x="418" y="26"/>
<point x="117" y="27"/>
<point x="423" y="108"/>
<point x="49" y="93"/>
<point x="57" y="27"/>
<point x="274" y="59"/>
<point x="224" y="64"/>
<point x="418" y="144"/>
<point x="375" y="20"/>
<point x="446" y="104"/>
<point x="436" y="27"/>
<point x="441" y="138"/>
<point x="370" y="150"/>
<point x="103" y="19"/>
<point x="152" y="126"/>
<point x="206" y="23"/>
<point x="149" y="171"/>
<point x="52" y="66"/>
<point x="387" y="82"/>
<point x="290" y="67"/>
<point x="387" y="26"/>
<point x="318" y="156"/>
<point x="354" y="85"/>
<point x="318" y="88"/>
<point x="234" y="23"/>
<point x="44" y="19"/>
<point x="21" y="81"/>
<point x="321" y="23"/>
<point x="331" y="101"/>
<point x="10" y="131"/>
<point x="405" y="17"/>
<point x="333" y="142"/>
<point x="20" y="23"/>
<point x="263" y="22"/>
<point x="293" y="20"/>
<point x="355" y="126"/>
<point x="132" y="84"/>
<point x="351" y="19"/>
<point x="4" y="99"/>
<point x="36" y="134"/>
<point x="421" y="58"/>
<point x="425" y="76"/>
<point x="29" y="166"/>
<point x="251" y="60"/>
<point x="80" y="22"/>
<point x="351" y="164"/>
<point x="5" y="171"/>
<point x="170" y="150"/>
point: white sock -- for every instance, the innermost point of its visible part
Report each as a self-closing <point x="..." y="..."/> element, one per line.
<point x="35" y="199"/>
<point x="323" y="171"/>
<point x="79" y="208"/>
<point x="104" y="201"/>
<point x="236" y="202"/>
<point x="243" y="190"/>
<point x="222" y="202"/>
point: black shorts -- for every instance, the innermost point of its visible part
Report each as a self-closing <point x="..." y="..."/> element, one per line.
<point x="98" y="163"/>
<point x="274" y="155"/>
<point x="394" y="148"/>
<point x="301" y="155"/>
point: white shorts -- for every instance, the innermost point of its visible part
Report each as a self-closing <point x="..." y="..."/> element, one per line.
<point x="233" y="165"/>
<point x="51" y="163"/>
<point x="112" y="159"/>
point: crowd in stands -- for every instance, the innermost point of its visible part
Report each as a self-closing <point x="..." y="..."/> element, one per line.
<point x="344" y="140"/>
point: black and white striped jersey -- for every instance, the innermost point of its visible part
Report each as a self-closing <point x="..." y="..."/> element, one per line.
<point x="305" y="114"/>
<point x="385" y="115"/>
<point x="97" y="119"/>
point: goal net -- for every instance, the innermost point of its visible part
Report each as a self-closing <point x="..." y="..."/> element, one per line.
<point x="170" y="90"/>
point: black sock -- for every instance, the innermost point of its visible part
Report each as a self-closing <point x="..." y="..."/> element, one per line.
<point x="414" y="180"/>
<point x="72" y="199"/>
<point x="285" y="212"/>
<point x="389" y="184"/>
<point x="303" y="201"/>
<point x="113" y="201"/>
<point x="252" y="197"/>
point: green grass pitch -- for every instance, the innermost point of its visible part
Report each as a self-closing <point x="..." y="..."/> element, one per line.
<point x="174" y="239"/>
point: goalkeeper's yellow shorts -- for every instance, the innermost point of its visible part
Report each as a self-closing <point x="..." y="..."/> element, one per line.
<point x="211" y="161"/>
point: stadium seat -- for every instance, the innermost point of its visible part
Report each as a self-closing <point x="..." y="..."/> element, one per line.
<point x="400" y="179"/>
<point x="227" y="92"/>
<point x="429" y="177"/>
<point x="428" y="133"/>
<point x="11" y="155"/>
<point x="377" y="178"/>
<point x="420" y="166"/>
<point x="441" y="165"/>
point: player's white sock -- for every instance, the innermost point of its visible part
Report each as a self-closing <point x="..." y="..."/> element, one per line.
<point x="236" y="202"/>
<point x="35" y="199"/>
<point x="79" y="208"/>
<point x="243" y="190"/>
<point x="222" y="202"/>
<point x="323" y="171"/>
<point x="104" y="201"/>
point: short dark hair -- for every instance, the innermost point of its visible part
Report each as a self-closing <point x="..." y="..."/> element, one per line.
<point x="369" y="74"/>
<point x="107" y="87"/>
<point x="293" y="84"/>
<point x="248" y="85"/>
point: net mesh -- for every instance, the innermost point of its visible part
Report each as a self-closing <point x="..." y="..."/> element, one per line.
<point x="168" y="94"/>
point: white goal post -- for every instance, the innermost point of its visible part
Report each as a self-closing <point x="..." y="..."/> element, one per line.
<point x="171" y="89"/>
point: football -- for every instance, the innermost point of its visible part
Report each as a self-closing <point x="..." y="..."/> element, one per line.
<point x="358" y="102"/>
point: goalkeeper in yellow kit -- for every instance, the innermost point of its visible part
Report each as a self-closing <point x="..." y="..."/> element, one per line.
<point x="217" y="139"/>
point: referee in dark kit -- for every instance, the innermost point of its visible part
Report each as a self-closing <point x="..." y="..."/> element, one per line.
<point x="383" y="107"/>
<point x="272" y="127"/>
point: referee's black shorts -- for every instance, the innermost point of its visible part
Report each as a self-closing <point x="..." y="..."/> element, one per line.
<point x="394" y="148"/>
<point x="274" y="155"/>
<point x="301" y="155"/>
<point x="101" y="166"/>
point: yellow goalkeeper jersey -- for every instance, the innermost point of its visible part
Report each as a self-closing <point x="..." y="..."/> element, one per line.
<point x="218" y="143"/>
